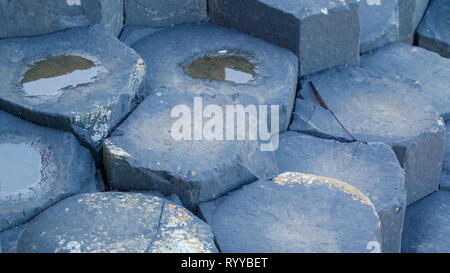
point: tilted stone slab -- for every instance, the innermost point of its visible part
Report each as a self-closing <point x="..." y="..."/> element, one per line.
<point x="81" y="80"/>
<point x="427" y="227"/>
<point x="34" y="17"/>
<point x="354" y="104"/>
<point x="157" y="13"/>
<point x="379" y="23"/>
<point x="294" y="213"/>
<point x="39" y="166"/>
<point x="411" y="13"/>
<point x="434" y="31"/>
<point x="322" y="33"/>
<point x="116" y="222"/>
<point x="372" y="168"/>
<point x="416" y="66"/>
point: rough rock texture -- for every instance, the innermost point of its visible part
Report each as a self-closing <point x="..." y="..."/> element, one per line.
<point x="379" y="23"/>
<point x="322" y="33"/>
<point x="116" y="222"/>
<point x="434" y="31"/>
<point x="62" y="168"/>
<point x="353" y="104"/>
<point x="91" y="111"/>
<point x="132" y="34"/>
<point x="294" y="213"/>
<point x="417" y="66"/>
<point x="445" y="176"/>
<point x="427" y="226"/>
<point x="410" y="14"/>
<point x="142" y="154"/>
<point x="157" y="13"/>
<point x="35" y="17"/>
<point x="372" y="168"/>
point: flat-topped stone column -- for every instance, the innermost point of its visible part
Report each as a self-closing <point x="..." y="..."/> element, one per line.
<point x="81" y="80"/>
<point x="322" y="33"/>
<point x="296" y="213"/>
<point x="35" y="17"/>
<point x="114" y="222"/>
<point x="39" y="166"/>
<point x="357" y="105"/>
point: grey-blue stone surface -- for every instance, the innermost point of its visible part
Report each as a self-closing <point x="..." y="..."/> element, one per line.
<point x="372" y="168"/>
<point x="294" y="213"/>
<point x="427" y="226"/>
<point x="132" y="34"/>
<point x="379" y="23"/>
<point x="157" y="13"/>
<point x="91" y="111"/>
<point x="434" y="31"/>
<point x="322" y="33"/>
<point x="35" y="17"/>
<point x="411" y="13"/>
<point x="414" y="65"/>
<point x="143" y="155"/>
<point x="116" y="222"/>
<point x="359" y="105"/>
<point x="62" y="168"/>
<point x="445" y="176"/>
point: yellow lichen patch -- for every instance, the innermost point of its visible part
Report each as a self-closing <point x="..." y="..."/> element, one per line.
<point x="291" y="178"/>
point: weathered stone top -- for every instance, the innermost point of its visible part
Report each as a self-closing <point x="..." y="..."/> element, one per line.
<point x="116" y="222"/>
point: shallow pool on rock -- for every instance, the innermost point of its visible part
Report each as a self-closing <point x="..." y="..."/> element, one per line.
<point x="56" y="73"/>
<point x="237" y="69"/>
<point x="20" y="167"/>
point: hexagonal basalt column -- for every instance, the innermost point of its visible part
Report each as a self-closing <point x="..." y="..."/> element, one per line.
<point x="410" y="14"/>
<point x="35" y="17"/>
<point x="116" y="222"/>
<point x="81" y="80"/>
<point x="223" y="68"/>
<point x="417" y="66"/>
<point x="372" y="168"/>
<point x="427" y="228"/>
<point x="434" y="31"/>
<point x="294" y="213"/>
<point x="157" y="13"/>
<point x="39" y="166"/>
<point x="354" y="104"/>
<point x="322" y="33"/>
<point x="379" y="23"/>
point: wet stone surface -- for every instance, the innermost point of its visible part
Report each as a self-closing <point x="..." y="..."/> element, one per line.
<point x="356" y="104"/>
<point x="142" y="153"/>
<point x="434" y="30"/>
<point x="372" y="168"/>
<point x="116" y="223"/>
<point x="57" y="73"/>
<point x="297" y="213"/>
<point x="379" y="23"/>
<point x="427" y="227"/>
<point x="13" y="155"/>
<point x="155" y="13"/>
<point x="329" y="29"/>
<point x="39" y="167"/>
<point x="36" y="17"/>
<point x="233" y="68"/>
<point x="414" y="65"/>
<point x="69" y="81"/>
